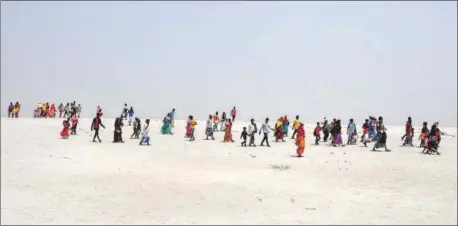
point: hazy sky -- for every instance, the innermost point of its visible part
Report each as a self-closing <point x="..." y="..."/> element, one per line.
<point x="315" y="59"/>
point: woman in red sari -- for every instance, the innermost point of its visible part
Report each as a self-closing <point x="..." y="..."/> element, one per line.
<point x="300" y="140"/>
<point x="279" y="130"/>
<point x="188" y="127"/>
<point x="64" y="132"/>
<point x="228" y="131"/>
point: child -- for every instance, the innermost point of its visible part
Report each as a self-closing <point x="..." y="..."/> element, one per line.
<point x="244" y="137"/>
<point x="64" y="132"/>
<point x="96" y="123"/>
<point x="145" y="135"/>
<point x="381" y="142"/>
<point x="316" y="133"/>
<point x="209" y="129"/>
<point x="193" y="124"/>
<point x="365" y="132"/>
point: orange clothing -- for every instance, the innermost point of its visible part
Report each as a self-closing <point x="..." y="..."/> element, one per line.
<point x="300" y="140"/>
<point x="228" y="132"/>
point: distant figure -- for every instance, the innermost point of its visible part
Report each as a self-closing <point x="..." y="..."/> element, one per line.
<point x="52" y="111"/>
<point x="300" y="140"/>
<point x="61" y="109"/>
<point x="228" y="131"/>
<point x="244" y="136"/>
<point x="99" y="111"/>
<point x="118" y="130"/>
<point x="66" y="110"/>
<point x="188" y="127"/>
<point x="223" y="121"/>
<point x="131" y="115"/>
<point x="295" y="126"/>
<point x="252" y="130"/>
<point x="326" y="130"/>
<point x="279" y="130"/>
<point x="124" y="112"/>
<point x="74" y="124"/>
<point x="10" y="110"/>
<point x="16" y="110"/>
<point x="381" y="142"/>
<point x="351" y="130"/>
<point x="137" y="129"/>
<point x="167" y="125"/>
<point x="216" y="122"/>
<point x="96" y="124"/>
<point x="65" y="130"/>
<point x="316" y="133"/>
<point x="233" y="114"/>
<point x="193" y="124"/>
<point x="210" y="127"/>
<point x="78" y="110"/>
<point x="172" y="117"/>
<point x="145" y="135"/>
<point x="265" y="129"/>
<point x="285" y="126"/>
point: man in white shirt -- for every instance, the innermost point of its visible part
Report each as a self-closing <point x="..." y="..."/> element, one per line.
<point x="265" y="128"/>
<point x="252" y="130"/>
<point x="209" y="129"/>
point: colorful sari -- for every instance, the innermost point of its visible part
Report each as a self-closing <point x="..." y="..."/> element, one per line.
<point x="228" y="132"/>
<point x="188" y="129"/>
<point x="53" y="111"/>
<point x="279" y="129"/>
<point x="285" y="126"/>
<point x="167" y="127"/>
<point x="300" y="140"/>
<point x="64" y="132"/>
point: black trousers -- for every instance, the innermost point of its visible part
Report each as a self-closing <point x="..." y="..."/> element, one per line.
<point x="317" y="138"/>
<point x="326" y="135"/>
<point x="265" y="139"/>
<point x="96" y="134"/>
<point x="294" y="133"/>
<point x="252" y="139"/>
<point x="233" y="118"/>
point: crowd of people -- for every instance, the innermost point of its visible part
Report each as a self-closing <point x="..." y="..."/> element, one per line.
<point x="373" y="129"/>
<point x="45" y="110"/>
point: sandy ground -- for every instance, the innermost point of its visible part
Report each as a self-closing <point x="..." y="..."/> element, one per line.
<point x="48" y="180"/>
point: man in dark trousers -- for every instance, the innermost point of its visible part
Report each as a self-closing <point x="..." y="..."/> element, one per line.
<point x="96" y="123"/>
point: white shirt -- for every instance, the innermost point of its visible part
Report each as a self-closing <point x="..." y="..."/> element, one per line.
<point x="209" y="123"/>
<point x="265" y="128"/>
<point x="146" y="131"/>
<point x="251" y="129"/>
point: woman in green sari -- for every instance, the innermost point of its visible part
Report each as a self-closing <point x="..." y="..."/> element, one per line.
<point x="167" y="126"/>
